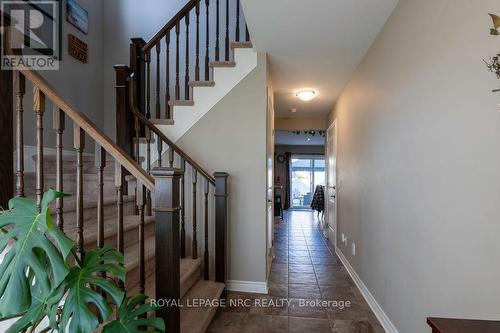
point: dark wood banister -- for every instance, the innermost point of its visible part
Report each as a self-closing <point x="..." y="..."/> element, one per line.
<point x="170" y="25"/>
<point x="91" y="129"/>
<point x="170" y="143"/>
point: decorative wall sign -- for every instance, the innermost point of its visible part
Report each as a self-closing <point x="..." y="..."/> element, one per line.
<point x="77" y="16"/>
<point x="77" y="49"/>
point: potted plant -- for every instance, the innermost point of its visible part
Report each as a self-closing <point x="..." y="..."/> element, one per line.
<point x="44" y="282"/>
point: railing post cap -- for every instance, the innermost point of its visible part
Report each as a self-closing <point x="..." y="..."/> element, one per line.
<point x="138" y="41"/>
<point x="120" y="67"/>
<point x="161" y="172"/>
<point x="221" y="174"/>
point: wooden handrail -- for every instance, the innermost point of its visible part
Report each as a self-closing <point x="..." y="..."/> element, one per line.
<point x="171" y="144"/>
<point x="170" y="25"/>
<point x="91" y="129"/>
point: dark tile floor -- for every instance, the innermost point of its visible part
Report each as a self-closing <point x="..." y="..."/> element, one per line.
<point x="306" y="271"/>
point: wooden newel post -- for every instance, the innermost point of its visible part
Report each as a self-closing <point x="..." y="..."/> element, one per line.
<point x="124" y="118"/>
<point x="220" y="226"/>
<point x="167" y="250"/>
<point x="138" y="66"/>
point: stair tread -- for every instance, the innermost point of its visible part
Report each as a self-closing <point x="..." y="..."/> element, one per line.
<point x="222" y="64"/>
<point x="197" y="319"/>
<point x="202" y="83"/>
<point x="181" y="102"/>
<point x="241" y="45"/>
<point x="90" y="231"/>
<point x="162" y="121"/>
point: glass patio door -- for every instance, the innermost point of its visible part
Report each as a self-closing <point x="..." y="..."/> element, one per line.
<point x="306" y="172"/>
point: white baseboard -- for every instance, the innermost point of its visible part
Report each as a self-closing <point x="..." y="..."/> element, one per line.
<point x="372" y="302"/>
<point x="247" y="286"/>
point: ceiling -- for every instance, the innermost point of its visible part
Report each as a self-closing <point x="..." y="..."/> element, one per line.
<point x="313" y="44"/>
<point x="288" y="138"/>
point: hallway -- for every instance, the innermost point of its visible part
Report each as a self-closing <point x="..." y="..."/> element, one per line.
<point x="305" y="270"/>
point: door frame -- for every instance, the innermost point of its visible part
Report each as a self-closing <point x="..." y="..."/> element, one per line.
<point x="333" y="225"/>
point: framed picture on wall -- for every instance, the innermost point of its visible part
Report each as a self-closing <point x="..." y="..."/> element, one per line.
<point x="45" y="39"/>
<point x="77" y="16"/>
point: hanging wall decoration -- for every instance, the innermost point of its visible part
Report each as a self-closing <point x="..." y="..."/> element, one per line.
<point x="493" y="64"/>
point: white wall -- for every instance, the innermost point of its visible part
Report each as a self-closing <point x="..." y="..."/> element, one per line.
<point x="236" y="126"/>
<point x="419" y="164"/>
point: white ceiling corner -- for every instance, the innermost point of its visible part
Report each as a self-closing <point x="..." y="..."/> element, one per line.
<point x="314" y="44"/>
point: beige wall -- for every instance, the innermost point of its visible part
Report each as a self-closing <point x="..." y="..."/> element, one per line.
<point x="419" y="164"/>
<point x="232" y="138"/>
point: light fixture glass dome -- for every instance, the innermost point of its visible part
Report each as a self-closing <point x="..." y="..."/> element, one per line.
<point x="306" y="95"/>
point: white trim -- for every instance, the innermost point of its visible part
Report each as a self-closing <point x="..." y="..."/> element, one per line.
<point x="247" y="286"/>
<point x="331" y="226"/>
<point x="372" y="302"/>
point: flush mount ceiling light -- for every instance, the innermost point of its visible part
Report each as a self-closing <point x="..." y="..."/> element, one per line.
<point x="306" y="94"/>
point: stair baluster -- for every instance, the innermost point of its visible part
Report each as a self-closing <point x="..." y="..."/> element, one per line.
<point x="217" y="50"/>
<point x="79" y="144"/>
<point x="142" y="260"/>
<point x="148" y="168"/>
<point x="20" y="91"/>
<point x="207" y="41"/>
<point x="177" y="68"/>
<point x="186" y="79"/>
<point x="197" y="63"/>
<point x="170" y="157"/>
<point x="119" y="177"/>
<point x="183" y="210"/>
<point x="100" y="163"/>
<point x="39" y="108"/>
<point x="227" y="31"/>
<point x="148" y="84"/>
<point x="194" y="249"/>
<point x="206" y="258"/>
<point x="59" y="125"/>
<point x="237" y="20"/>
<point x="167" y="85"/>
<point x="158" y="104"/>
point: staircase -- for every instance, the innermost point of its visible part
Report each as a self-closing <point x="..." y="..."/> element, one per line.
<point x="146" y="203"/>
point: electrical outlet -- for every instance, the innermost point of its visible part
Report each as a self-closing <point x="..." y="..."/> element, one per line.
<point x="353" y="248"/>
<point x="344" y="239"/>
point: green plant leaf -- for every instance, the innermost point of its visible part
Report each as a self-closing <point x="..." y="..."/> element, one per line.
<point x="131" y="319"/>
<point x="34" y="260"/>
<point x="82" y="283"/>
<point x="39" y="310"/>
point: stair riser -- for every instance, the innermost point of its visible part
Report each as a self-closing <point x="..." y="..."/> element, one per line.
<point x="133" y="278"/>
<point x="130" y="237"/>
<point x="90" y="185"/>
<point x="69" y="165"/>
<point x="90" y="213"/>
<point x="133" y="274"/>
<point x="190" y="282"/>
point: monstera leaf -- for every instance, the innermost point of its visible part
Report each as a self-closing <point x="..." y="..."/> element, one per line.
<point x="82" y="283"/>
<point x="131" y="318"/>
<point x="35" y="265"/>
<point x="40" y="308"/>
